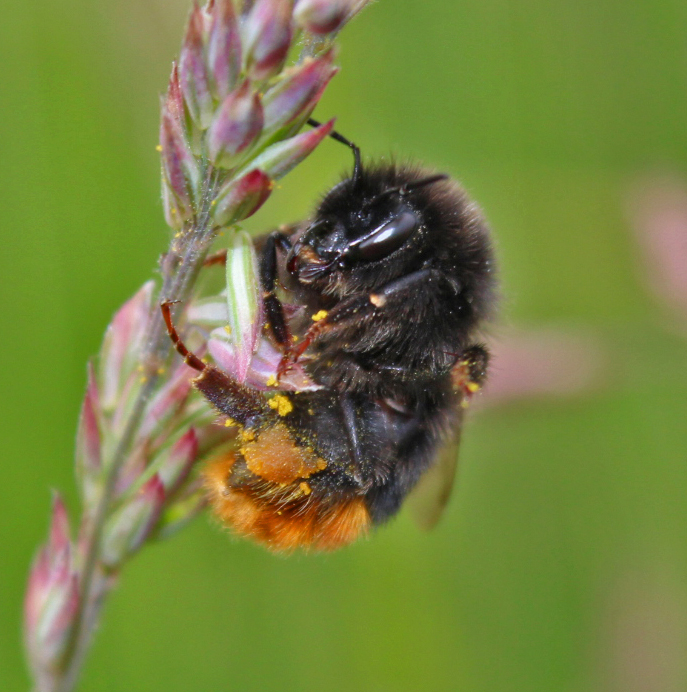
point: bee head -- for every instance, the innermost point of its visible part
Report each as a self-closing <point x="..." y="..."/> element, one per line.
<point x="366" y="229"/>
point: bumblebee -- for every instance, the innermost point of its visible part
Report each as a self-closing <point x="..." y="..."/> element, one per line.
<point x="395" y="276"/>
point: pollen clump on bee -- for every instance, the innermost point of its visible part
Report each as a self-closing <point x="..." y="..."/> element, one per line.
<point x="247" y="435"/>
<point x="281" y="404"/>
<point x="275" y="457"/>
<point x="319" y="316"/>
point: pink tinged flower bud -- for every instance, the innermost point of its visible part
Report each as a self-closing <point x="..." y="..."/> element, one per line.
<point x="239" y="199"/>
<point x="267" y="37"/>
<point x="58" y="539"/>
<point x="174" y="212"/>
<point x="129" y="526"/>
<point x="236" y="126"/>
<point x="280" y="158"/>
<point x="178" y="164"/>
<point x="168" y="401"/>
<point x="224" y="47"/>
<point x="52" y="596"/>
<point x="325" y="16"/>
<point x="174" y="100"/>
<point x="244" y="300"/>
<point x="193" y="72"/>
<point x="294" y="97"/>
<point x="180" y="512"/>
<point x="88" y="460"/>
<point x="178" y="461"/>
<point x="122" y="345"/>
<point x="132" y="470"/>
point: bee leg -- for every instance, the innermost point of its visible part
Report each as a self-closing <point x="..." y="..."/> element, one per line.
<point x="191" y="359"/>
<point x="396" y="293"/>
<point x="268" y="277"/>
<point x="342" y="313"/>
<point x="274" y="310"/>
<point x="470" y="371"/>
<point x="216" y="258"/>
<point x="242" y="404"/>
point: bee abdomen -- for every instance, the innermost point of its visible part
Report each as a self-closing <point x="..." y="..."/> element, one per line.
<point x="262" y="492"/>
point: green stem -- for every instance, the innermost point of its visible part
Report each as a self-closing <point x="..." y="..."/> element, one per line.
<point x="176" y="286"/>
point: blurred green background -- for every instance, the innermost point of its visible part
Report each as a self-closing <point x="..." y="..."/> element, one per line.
<point x="562" y="562"/>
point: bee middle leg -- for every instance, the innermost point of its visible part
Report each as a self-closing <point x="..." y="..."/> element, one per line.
<point x="398" y="293"/>
<point x="470" y="371"/>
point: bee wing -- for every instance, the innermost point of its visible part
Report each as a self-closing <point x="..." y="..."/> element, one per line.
<point x="430" y="496"/>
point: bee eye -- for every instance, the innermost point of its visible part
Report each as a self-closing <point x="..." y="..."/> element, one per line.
<point x="386" y="238"/>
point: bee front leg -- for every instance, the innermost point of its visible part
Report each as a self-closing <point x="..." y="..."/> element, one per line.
<point x="274" y="310"/>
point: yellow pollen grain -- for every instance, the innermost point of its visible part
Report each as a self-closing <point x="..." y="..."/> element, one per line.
<point x="305" y="488"/>
<point x="465" y="403"/>
<point x="473" y="387"/>
<point x="294" y="338"/>
<point x="247" y="435"/>
<point x="213" y="203"/>
<point x="158" y="147"/>
<point x="160" y="371"/>
<point x="319" y="316"/>
<point x="143" y="379"/>
<point x="227" y="329"/>
<point x="230" y="423"/>
<point x="281" y="404"/>
<point x="271" y="381"/>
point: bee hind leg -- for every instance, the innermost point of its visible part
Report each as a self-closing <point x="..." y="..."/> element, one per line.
<point x="240" y="403"/>
<point x="191" y="359"/>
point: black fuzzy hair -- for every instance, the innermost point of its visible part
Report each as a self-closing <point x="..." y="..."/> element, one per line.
<point x="453" y="236"/>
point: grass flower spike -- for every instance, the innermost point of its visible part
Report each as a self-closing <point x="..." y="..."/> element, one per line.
<point x="229" y="126"/>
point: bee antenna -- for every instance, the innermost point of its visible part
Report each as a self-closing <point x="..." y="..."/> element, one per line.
<point x="357" y="166"/>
